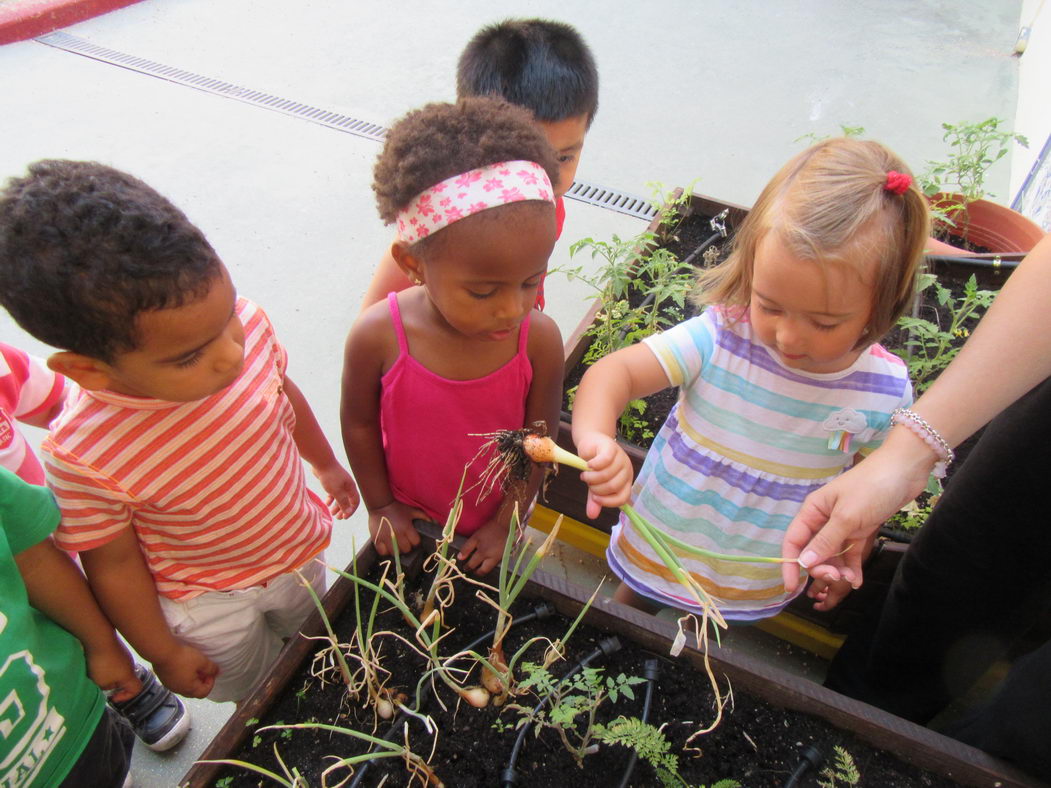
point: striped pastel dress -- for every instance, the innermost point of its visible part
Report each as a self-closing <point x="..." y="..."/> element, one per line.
<point x="747" y="441"/>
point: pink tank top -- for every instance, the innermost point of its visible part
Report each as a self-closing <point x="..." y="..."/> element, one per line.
<point x="427" y="423"/>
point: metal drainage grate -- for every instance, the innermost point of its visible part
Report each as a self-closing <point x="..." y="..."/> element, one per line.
<point x="589" y="193"/>
<point x="332" y="120"/>
<point x="612" y="199"/>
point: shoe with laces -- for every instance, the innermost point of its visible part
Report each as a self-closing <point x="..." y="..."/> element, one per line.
<point x="156" y="714"/>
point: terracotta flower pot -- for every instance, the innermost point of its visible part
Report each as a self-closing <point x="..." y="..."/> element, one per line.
<point x="988" y="224"/>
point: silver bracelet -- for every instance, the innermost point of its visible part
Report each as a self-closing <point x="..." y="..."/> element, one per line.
<point x="925" y="432"/>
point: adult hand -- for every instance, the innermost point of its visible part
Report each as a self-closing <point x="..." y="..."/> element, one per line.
<point x="828" y="534"/>
<point x="609" y="480"/>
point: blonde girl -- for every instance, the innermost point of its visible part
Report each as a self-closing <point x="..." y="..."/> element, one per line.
<point x="782" y="382"/>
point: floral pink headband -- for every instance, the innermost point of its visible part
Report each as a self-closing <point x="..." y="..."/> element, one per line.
<point x="461" y="196"/>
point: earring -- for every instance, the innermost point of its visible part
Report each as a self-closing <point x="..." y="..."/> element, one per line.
<point x="415" y="280"/>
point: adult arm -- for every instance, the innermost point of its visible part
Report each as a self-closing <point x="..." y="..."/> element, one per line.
<point x="1007" y="355"/>
<point x="368" y="346"/>
<point x="605" y="390"/>
<point x="126" y="593"/>
<point x="315" y="449"/>
<point x="387" y="278"/>
<point x="57" y="589"/>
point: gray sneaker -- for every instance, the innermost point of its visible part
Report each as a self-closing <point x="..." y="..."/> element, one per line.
<point x="156" y="714"/>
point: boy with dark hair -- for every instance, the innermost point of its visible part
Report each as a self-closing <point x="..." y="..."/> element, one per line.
<point x="56" y="650"/>
<point x="543" y="66"/>
<point x="539" y="64"/>
<point x="177" y="460"/>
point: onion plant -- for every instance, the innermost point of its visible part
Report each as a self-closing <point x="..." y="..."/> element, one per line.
<point x="428" y="636"/>
<point x="417" y="767"/>
<point x="497" y="676"/>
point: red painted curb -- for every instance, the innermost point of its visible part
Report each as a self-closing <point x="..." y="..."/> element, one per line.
<point x="22" y="19"/>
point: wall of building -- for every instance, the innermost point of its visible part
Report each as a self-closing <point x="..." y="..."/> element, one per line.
<point x="1033" y="116"/>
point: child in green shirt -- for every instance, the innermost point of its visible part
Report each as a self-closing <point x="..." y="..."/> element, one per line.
<point x="56" y="650"/>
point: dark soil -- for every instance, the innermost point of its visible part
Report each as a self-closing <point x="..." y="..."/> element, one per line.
<point x="756" y="744"/>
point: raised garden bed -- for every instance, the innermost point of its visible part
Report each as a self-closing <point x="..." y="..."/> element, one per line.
<point x="772" y="718"/>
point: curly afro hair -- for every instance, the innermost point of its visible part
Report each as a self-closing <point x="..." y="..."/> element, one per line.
<point x="85" y="248"/>
<point x="442" y="140"/>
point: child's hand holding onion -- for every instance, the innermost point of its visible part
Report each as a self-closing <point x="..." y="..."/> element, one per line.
<point x="609" y="472"/>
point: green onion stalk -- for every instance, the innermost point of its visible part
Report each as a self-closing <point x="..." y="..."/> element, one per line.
<point x="476" y="696"/>
<point x="512" y="581"/>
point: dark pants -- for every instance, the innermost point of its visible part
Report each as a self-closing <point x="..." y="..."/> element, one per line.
<point x="107" y="758"/>
<point x="973" y="581"/>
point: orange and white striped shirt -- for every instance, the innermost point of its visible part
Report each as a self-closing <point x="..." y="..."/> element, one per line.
<point x="215" y="489"/>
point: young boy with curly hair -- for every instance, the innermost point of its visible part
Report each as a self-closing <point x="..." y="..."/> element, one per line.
<point x="176" y="462"/>
<point x="538" y="64"/>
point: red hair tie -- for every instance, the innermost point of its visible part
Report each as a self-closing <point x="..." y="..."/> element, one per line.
<point x="897" y="182"/>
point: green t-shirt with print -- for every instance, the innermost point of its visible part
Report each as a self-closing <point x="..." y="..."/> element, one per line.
<point x="49" y="708"/>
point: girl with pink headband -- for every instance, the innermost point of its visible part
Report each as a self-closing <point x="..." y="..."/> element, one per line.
<point x="469" y="188"/>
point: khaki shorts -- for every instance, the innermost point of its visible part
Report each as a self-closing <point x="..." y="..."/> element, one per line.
<point x="243" y="630"/>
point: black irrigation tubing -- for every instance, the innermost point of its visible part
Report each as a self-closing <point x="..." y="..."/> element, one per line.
<point x="650" y="670"/>
<point x="701" y="249"/>
<point x="541" y="611"/>
<point x="718" y="224"/>
<point x="981" y="262"/>
<point x="509" y="776"/>
<point x="812" y="759"/>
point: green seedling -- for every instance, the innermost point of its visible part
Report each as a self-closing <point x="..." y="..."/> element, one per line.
<point x="652" y="746"/>
<point x="573" y="704"/>
<point x="633" y="271"/>
<point x="843" y="771"/>
<point x="930" y="347"/>
<point x="973" y="149"/>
